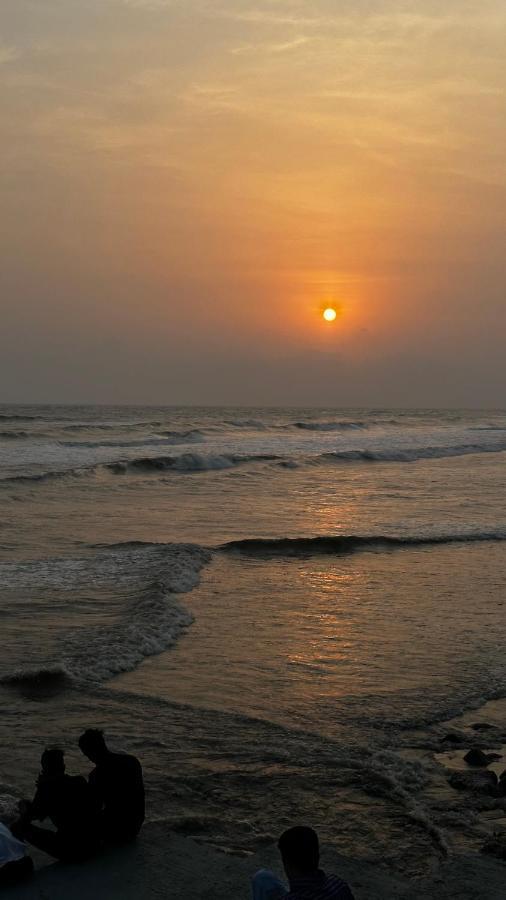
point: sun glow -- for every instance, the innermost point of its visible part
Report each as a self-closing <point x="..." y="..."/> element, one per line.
<point x="329" y="314"/>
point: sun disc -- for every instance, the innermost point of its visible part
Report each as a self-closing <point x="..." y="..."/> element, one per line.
<point x="329" y="314"/>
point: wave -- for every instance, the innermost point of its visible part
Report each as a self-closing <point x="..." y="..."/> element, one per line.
<point x="198" y="462"/>
<point x="14" y="435"/>
<point x="149" y="625"/>
<point x="247" y="423"/>
<point x="336" y="545"/>
<point x="15" y="417"/>
<point x="171" y="438"/>
<point x="409" y="454"/>
<point x="187" y="462"/>
<point x="107" y="426"/>
<point x="489" y="428"/>
<point x="153" y="625"/>
<point x="194" y="436"/>
<point x="329" y="426"/>
<point x="144" y="579"/>
<point x="41" y="477"/>
<point x="258" y="425"/>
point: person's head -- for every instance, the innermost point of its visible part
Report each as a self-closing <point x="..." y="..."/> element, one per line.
<point x="52" y="761"/>
<point x="92" y="744"/>
<point x="299" y="850"/>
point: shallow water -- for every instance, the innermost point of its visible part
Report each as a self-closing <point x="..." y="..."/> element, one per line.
<point x="299" y="678"/>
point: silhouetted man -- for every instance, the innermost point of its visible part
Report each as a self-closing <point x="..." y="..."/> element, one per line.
<point x="65" y="800"/>
<point x="300" y="854"/>
<point x="117" y="787"/>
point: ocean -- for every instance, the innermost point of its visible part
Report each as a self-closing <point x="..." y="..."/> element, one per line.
<point x="282" y="612"/>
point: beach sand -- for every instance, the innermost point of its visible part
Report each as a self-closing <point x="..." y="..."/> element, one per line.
<point x="162" y="864"/>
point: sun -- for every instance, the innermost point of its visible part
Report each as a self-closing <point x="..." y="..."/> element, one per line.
<point x="329" y="314"/>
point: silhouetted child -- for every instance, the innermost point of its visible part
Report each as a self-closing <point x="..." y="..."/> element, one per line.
<point x="117" y="787"/>
<point x="300" y="853"/>
<point x="66" y="800"/>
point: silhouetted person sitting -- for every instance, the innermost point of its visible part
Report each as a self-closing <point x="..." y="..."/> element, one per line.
<point x="117" y="787"/>
<point x="66" y="800"/>
<point x="300" y="854"/>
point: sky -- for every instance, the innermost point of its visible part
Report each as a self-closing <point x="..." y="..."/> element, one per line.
<point x="186" y="184"/>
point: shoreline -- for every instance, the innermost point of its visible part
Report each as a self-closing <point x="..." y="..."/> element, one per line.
<point x="163" y="863"/>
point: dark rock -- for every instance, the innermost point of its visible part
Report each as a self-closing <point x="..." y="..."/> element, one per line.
<point x="495" y="846"/>
<point x="478" y="782"/>
<point x="453" y="738"/>
<point x="482" y="726"/>
<point x="476" y="757"/>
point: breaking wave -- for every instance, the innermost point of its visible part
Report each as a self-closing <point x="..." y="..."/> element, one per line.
<point x="329" y="426"/>
<point x="149" y="625"/>
<point x="147" y="618"/>
<point x="16" y="417"/>
<point x="41" y="477"/>
<point x="106" y="426"/>
<point x="488" y="428"/>
<point x="193" y="462"/>
<point x="258" y="425"/>
<point x="336" y="545"/>
<point x="14" y="435"/>
<point x="247" y="423"/>
<point x="187" y="462"/>
<point x="410" y="454"/>
<point x="171" y="438"/>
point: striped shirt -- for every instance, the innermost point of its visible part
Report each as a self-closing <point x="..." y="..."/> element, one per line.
<point x="318" y="887"/>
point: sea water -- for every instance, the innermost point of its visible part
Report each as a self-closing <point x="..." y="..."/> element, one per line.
<point x="278" y="610"/>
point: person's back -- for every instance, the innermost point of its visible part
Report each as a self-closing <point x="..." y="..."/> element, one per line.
<point x="117" y="785"/>
<point x="318" y="887"/>
<point x="300" y="853"/>
<point x="117" y="781"/>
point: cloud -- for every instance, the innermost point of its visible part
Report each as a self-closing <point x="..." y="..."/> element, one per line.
<point x="282" y="47"/>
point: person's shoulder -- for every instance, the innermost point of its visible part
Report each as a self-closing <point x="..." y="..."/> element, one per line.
<point x="325" y="887"/>
<point x="77" y="780"/>
<point x="337" y="888"/>
<point x="125" y="759"/>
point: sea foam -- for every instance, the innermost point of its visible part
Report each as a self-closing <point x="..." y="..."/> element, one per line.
<point x="147" y="619"/>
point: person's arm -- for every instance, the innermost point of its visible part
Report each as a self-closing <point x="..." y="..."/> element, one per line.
<point x="95" y="791"/>
<point x="38" y="808"/>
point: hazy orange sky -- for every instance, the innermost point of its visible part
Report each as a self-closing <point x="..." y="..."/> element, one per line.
<point x="185" y="184"/>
